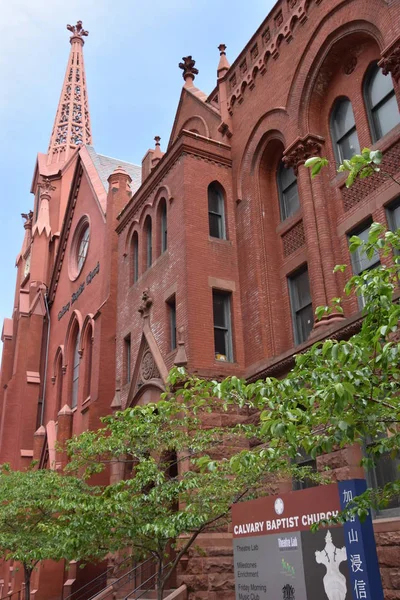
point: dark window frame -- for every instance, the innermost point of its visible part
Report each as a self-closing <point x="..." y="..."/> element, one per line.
<point x="226" y="328"/>
<point x="372" y="110"/>
<point x="163" y="227"/>
<point x="360" y="229"/>
<point x="149" y="242"/>
<point x="127" y="359"/>
<point x="171" y="305"/>
<point x="337" y="140"/>
<point x="76" y="359"/>
<point x="296" y="310"/>
<point x="287" y="207"/>
<point x="135" y="256"/>
<point x="304" y="460"/>
<point x="374" y="474"/>
<point x="216" y="216"/>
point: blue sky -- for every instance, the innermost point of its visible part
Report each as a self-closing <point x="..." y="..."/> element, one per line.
<point x="131" y="60"/>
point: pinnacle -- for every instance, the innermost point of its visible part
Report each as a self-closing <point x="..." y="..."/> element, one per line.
<point x="72" y="123"/>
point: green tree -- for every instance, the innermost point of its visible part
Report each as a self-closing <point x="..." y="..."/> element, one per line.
<point x="178" y="481"/>
<point x="44" y="515"/>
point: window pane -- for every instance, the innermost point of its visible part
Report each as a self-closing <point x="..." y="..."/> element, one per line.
<point x="305" y="322"/>
<point x="359" y="259"/>
<point x="291" y="199"/>
<point x="215" y="223"/>
<point x="380" y="86"/>
<point x="349" y="145"/>
<point x="386" y="116"/>
<point x="149" y="245"/>
<point x="386" y="470"/>
<point x="394" y="217"/>
<point x="172" y="322"/>
<point x="287" y="177"/>
<point x="219" y="308"/>
<point x="343" y="118"/>
<point x="135" y="259"/>
<point x="220" y="342"/>
<point x="164" y="229"/>
<point x="214" y="200"/>
<point x="301" y="290"/>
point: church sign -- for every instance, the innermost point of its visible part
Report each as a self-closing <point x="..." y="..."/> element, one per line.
<point x="277" y="557"/>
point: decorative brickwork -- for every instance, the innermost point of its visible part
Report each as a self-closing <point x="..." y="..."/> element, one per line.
<point x="293" y="239"/>
<point x="364" y="187"/>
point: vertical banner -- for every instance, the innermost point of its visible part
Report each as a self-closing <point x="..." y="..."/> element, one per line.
<point x="362" y="558"/>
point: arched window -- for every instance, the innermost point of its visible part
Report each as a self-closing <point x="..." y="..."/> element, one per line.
<point x="88" y="362"/>
<point x="75" y="372"/>
<point x="288" y="191"/>
<point x="59" y="382"/>
<point x="344" y="132"/>
<point x="381" y="103"/>
<point x="216" y="211"/>
<point x="162" y="211"/>
<point x="134" y="257"/>
<point x="149" y="242"/>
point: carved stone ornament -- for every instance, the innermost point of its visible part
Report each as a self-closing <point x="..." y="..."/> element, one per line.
<point x="188" y="68"/>
<point x="28" y="219"/>
<point x="148" y="367"/>
<point x="77" y="30"/>
<point x="46" y="187"/>
<point x="301" y="150"/>
<point x="146" y="303"/>
<point x="390" y="63"/>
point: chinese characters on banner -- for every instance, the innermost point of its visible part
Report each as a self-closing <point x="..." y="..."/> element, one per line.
<point x="361" y="549"/>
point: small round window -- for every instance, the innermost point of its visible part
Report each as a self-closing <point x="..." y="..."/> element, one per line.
<point x="79" y="248"/>
<point x="83" y="245"/>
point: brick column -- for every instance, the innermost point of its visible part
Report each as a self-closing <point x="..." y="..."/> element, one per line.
<point x="295" y="155"/>
<point x="321" y="259"/>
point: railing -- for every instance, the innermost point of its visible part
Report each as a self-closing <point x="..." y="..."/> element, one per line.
<point x="133" y="593"/>
<point x="124" y="580"/>
<point x="13" y="595"/>
<point x="95" y="585"/>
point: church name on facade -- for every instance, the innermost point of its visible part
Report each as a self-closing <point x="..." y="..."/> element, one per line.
<point x="89" y="278"/>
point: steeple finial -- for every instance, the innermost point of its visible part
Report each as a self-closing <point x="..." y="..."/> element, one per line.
<point x="157" y="154"/>
<point x="189" y="70"/>
<point x="223" y="65"/>
<point x="72" y="123"/>
<point x="77" y="30"/>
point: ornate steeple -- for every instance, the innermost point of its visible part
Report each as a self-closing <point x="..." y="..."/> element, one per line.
<point x="72" y="123"/>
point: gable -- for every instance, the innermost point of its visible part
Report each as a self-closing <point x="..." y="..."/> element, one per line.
<point x="194" y="113"/>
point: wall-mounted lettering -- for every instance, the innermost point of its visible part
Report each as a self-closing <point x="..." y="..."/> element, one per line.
<point x="89" y="278"/>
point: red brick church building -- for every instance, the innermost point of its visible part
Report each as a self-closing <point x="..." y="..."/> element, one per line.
<point x="213" y="254"/>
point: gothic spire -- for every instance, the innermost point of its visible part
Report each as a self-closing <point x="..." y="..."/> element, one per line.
<point x="72" y="123"/>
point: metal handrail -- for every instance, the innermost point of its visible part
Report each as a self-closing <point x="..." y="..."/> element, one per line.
<point x="123" y="576"/>
<point x="93" y="581"/>
<point x="11" y="594"/>
<point x="142" y="584"/>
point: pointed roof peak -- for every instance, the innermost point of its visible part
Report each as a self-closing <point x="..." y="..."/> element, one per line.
<point x="72" y="123"/>
<point x="223" y="65"/>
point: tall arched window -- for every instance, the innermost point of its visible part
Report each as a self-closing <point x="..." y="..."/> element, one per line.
<point x="380" y="99"/>
<point x="163" y="229"/>
<point x="216" y="211"/>
<point x="344" y="132"/>
<point x="134" y="257"/>
<point x="59" y="382"/>
<point x="75" y="372"/>
<point x="288" y="191"/>
<point x="149" y="241"/>
<point x="88" y="362"/>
